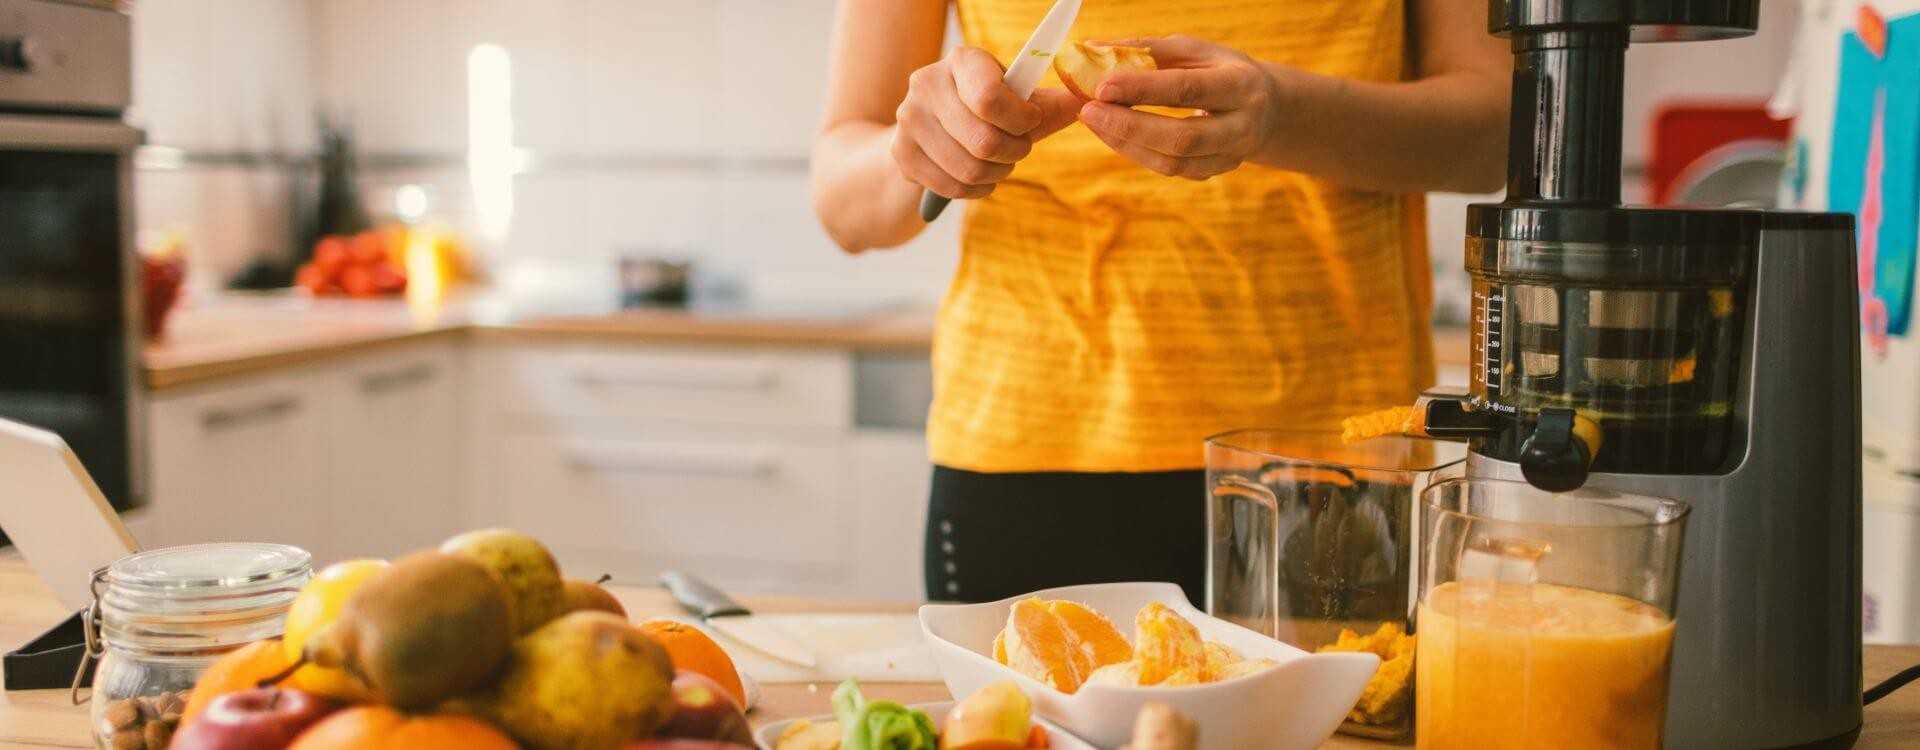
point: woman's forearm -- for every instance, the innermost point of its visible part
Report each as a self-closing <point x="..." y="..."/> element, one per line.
<point x="1443" y="133"/>
<point x="858" y="193"/>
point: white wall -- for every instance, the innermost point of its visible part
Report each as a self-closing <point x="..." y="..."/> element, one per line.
<point x="221" y="78"/>
<point x="652" y="128"/>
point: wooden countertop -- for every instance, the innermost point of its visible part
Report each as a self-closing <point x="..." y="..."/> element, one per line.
<point x="234" y="335"/>
<point x="44" y="718"/>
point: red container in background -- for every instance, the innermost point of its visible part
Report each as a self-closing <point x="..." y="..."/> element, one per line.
<point x="1693" y="139"/>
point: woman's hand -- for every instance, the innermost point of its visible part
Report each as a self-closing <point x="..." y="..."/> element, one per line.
<point x="1237" y="97"/>
<point x="960" y="129"/>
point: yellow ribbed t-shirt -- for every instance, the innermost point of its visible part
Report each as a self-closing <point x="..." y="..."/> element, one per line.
<point x="1106" y="318"/>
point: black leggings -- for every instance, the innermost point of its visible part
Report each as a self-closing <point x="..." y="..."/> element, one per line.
<point x="992" y="536"/>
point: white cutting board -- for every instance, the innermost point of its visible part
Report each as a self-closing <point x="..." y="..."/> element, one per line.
<point x="866" y="647"/>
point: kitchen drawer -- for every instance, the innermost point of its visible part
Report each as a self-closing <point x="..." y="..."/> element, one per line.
<point x="745" y="388"/>
<point x="760" y="514"/>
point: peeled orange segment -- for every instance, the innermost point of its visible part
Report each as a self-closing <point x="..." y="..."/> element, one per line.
<point x="1039" y="645"/>
<point x="1100" y="643"/>
<point x="1219" y="659"/>
<point x="1165" y="644"/>
<point x="1397" y="420"/>
<point x="1244" y="668"/>
<point x="1083" y="67"/>
<point x="1122" y="674"/>
<point x="1000" y="646"/>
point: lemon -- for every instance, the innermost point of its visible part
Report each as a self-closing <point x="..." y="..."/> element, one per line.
<point x="317" y="606"/>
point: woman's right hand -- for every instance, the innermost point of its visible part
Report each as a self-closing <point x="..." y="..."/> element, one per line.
<point x="961" y="128"/>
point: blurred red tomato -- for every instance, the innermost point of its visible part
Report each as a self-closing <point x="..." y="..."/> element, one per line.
<point x="330" y="254"/>
<point x="358" y="281"/>
<point x="388" y="280"/>
<point x="311" y="278"/>
<point x="368" y="248"/>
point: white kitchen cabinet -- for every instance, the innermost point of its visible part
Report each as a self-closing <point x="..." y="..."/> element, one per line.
<point x="890" y="477"/>
<point x="355" y="458"/>
<point x="394" y="467"/>
<point x="753" y="513"/>
<point x="243" y="460"/>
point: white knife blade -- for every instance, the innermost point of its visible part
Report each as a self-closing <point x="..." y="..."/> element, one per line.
<point x="732" y="620"/>
<point x="1023" y="74"/>
<point x="761" y="636"/>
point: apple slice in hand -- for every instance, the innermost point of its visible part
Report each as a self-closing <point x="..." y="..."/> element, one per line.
<point x="1083" y="67"/>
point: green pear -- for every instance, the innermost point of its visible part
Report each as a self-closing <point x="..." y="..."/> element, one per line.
<point x="526" y="567"/>
<point x="586" y="681"/>
<point x="580" y="596"/>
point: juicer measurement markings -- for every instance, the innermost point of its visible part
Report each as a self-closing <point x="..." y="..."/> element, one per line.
<point x="1490" y="311"/>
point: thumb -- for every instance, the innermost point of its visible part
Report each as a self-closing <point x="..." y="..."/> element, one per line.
<point x="1058" y="109"/>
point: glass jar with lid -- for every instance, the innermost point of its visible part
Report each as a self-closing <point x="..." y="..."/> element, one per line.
<point x="160" y="617"/>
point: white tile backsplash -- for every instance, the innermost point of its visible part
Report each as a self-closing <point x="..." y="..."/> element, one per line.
<point x="654" y="127"/>
<point x="772" y="63"/>
<point x="223" y="75"/>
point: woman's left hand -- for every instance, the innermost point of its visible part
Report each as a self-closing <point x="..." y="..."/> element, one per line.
<point x="1237" y="97"/>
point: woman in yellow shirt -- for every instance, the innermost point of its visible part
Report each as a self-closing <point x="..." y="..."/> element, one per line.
<point x="1131" y="282"/>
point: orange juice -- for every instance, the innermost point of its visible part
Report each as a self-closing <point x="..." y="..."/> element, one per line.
<point x="1520" y="665"/>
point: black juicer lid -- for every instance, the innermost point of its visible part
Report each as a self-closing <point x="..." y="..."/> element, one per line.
<point x="1650" y="20"/>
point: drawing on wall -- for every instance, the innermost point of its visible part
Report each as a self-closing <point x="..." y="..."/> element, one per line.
<point x="1875" y="165"/>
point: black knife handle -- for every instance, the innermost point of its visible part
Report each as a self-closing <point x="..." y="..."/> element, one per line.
<point x="931" y="204"/>
<point x="700" y="597"/>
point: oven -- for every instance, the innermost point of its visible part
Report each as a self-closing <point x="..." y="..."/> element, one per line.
<point x="69" y="316"/>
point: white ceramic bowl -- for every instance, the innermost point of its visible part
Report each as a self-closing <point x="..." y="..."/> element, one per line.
<point x="1057" y="738"/>
<point x="1295" y="705"/>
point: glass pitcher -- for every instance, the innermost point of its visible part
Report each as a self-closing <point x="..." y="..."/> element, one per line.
<point x="1545" y="620"/>
<point x="1313" y="541"/>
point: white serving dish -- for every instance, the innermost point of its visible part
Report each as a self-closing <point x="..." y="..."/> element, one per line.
<point x="1057" y="738"/>
<point x="1295" y="705"/>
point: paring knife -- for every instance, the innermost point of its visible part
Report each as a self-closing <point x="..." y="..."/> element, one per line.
<point x="736" y="622"/>
<point x="1024" y="74"/>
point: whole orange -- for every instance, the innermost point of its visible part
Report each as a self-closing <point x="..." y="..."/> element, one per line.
<point x="692" y="651"/>
<point x="239" y="669"/>
<point x="382" y="728"/>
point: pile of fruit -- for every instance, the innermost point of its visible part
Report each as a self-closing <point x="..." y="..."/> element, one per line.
<point x="480" y="644"/>
<point x="368" y="264"/>
<point x="1067" y="645"/>
<point x="995" y="717"/>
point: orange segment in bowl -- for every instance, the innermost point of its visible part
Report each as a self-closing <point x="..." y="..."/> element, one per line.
<point x="1039" y="645"/>
<point x="1165" y="644"/>
<point x="1100" y="643"/>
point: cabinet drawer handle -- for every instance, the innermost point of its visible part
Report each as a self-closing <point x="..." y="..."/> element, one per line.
<point x="381" y="382"/>
<point x="665" y="466"/>
<point x="270" y="409"/>
<point x="762" y="380"/>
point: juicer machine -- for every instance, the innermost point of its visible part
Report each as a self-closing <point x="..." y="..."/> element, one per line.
<point x="1706" y="355"/>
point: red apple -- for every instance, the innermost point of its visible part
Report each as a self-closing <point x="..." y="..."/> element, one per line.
<point x="702" y="710"/>
<point x="684" y="744"/>
<point x="256" y="719"/>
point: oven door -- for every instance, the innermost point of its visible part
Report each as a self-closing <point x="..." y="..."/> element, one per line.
<point x="69" y="341"/>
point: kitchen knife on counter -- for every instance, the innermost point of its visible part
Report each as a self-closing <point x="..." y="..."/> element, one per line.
<point x="732" y="620"/>
<point x="1024" y="74"/>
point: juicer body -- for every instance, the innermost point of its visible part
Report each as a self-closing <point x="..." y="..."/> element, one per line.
<point x="1767" y="642"/>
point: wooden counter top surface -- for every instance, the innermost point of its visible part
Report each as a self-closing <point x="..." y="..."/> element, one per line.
<point x="45" y="718"/>
<point x="248" y="334"/>
<point x="233" y="335"/>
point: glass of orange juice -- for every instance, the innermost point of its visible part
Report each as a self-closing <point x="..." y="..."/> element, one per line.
<point x="1545" y="620"/>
